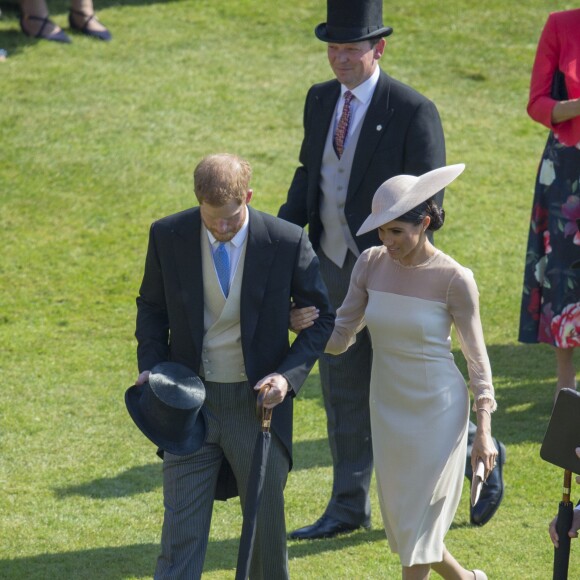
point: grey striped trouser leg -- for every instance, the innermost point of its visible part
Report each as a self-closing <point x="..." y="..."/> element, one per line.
<point x="345" y="387"/>
<point x="189" y="486"/>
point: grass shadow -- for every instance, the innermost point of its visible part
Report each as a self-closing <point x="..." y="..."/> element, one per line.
<point x="138" y="560"/>
<point x="111" y="563"/>
<point x="148" y="477"/>
<point x="311" y="453"/>
<point x="14" y="40"/>
<point x="133" y="481"/>
<point x="301" y="549"/>
<point x="524" y="379"/>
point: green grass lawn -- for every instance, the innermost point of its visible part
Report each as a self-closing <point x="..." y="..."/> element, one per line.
<point x="100" y="139"/>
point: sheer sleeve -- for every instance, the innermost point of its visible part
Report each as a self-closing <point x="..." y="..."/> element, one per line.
<point x="350" y="317"/>
<point x="463" y="302"/>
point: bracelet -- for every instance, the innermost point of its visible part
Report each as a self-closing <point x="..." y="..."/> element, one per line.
<point x="485" y="410"/>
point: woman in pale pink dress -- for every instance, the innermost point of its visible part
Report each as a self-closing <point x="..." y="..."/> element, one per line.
<point x="409" y="294"/>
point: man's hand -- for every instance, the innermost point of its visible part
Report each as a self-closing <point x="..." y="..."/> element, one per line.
<point x="143" y="378"/>
<point x="301" y="318"/>
<point x="278" y="389"/>
<point x="573" y="531"/>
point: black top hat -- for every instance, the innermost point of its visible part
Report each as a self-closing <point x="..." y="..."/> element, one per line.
<point x="167" y="408"/>
<point x="352" y="21"/>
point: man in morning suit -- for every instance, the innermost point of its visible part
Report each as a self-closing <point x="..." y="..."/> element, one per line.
<point x="215" y="296"/>
<point x="360" y="129"/>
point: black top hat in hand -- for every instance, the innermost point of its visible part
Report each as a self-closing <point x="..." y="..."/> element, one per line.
<point x="167" y="408"/>
<point x="352" y="21"/>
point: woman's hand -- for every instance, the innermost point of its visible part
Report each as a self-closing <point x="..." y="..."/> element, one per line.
<point x="484" y="449"/>
<point x="301" y="318"/>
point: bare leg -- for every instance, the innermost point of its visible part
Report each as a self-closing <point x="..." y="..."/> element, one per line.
<point x="417" y="572"/>
<point x="565" y="369"/>
<point x="450" y="569"/>
<point x="81" y="10"/>
<point x="38" y="9"/>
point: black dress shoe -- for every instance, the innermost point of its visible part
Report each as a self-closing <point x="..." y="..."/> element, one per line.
<point x="491" y="492"/>
<point x="325" y="527"/>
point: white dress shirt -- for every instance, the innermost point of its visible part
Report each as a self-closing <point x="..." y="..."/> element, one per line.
<point x="234" y="246"/>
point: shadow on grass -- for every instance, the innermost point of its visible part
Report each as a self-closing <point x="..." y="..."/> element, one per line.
<point x="112" y="563"/>
<point x="116" y="563"/>
<point x="524" y="379"/>
<point x="14" y="40"/>
<point x="133" y="481"/>
<point x="525" y="374"/>
<point x="300" y="549"/>
<point x="147" y="478"/>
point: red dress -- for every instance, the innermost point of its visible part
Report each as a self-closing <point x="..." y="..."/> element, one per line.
<point x="550" y="310"/>
<point x="558" y="49"/>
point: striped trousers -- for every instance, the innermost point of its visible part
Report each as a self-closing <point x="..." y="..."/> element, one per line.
<point x="189" y="484"/>
<point x="346" y="380"/>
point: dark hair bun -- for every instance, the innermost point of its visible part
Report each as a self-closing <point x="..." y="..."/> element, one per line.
<point x="437" y="215"/>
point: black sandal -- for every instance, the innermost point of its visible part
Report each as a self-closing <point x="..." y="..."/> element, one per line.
<point x="57" y="36"/>
<point x="84" y="28"/>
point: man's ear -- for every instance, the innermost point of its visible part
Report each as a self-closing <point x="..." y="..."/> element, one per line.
<point x="249" y="195"/>
<point x="379" y="49"/>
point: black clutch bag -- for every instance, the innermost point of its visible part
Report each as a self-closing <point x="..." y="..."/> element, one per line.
<point x="563" y="432"/>
<point x="559" y="91"/>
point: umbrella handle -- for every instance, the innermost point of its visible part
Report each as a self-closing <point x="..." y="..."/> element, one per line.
<point x="265" y="415"/>
<point x="567" y="485"/>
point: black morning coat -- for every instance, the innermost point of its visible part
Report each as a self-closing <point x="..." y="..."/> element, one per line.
<point x="280" y="266"/>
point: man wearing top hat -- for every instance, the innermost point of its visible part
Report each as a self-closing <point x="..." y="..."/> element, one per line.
<point x="215" y="297"/>
<point x="360" y="129"/>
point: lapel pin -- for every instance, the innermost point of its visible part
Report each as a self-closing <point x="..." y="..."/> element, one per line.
<point x="379" y="127"/>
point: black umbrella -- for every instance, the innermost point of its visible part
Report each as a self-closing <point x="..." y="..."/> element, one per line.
<point x="563" y="525"/>
<point x="561" y="438"/>
<point x="255" y="486"/>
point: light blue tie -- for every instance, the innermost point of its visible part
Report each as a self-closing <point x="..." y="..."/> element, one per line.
<point x="222" y="266"/>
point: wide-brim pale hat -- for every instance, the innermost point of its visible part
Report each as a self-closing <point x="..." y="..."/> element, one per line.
<point x="400" y="194"/>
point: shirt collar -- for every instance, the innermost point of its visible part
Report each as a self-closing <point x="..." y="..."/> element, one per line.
<point x="364" y="91"/>
<point x="239" y="238"/>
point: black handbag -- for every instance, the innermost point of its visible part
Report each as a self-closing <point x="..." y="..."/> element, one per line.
<point x="559" y="91"/>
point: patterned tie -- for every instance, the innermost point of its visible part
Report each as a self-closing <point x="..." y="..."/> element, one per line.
<point x="222" y="266"/>
<point x="342" y="127"/>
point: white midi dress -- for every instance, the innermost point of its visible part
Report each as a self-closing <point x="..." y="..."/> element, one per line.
<point x="419" y="401"/>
